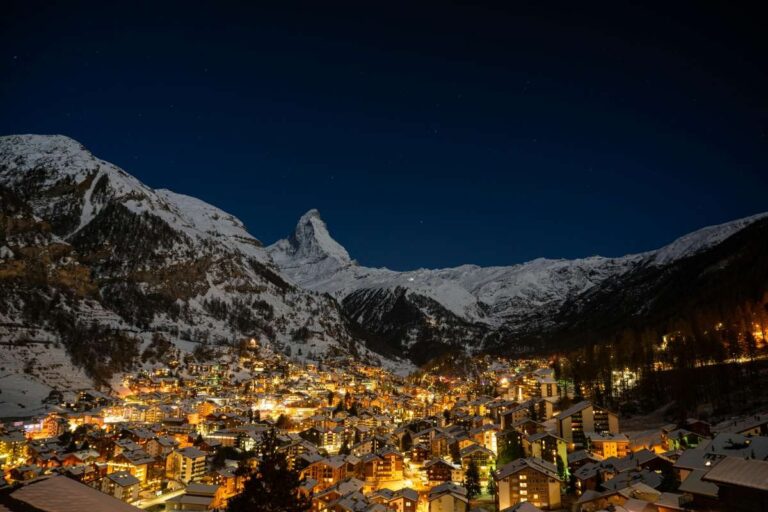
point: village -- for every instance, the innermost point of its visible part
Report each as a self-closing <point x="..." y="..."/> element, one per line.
<point x="181" y="436"/>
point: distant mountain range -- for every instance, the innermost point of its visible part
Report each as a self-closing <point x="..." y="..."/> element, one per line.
<point x="97" y="265"/>
<point x="422" y="312"/>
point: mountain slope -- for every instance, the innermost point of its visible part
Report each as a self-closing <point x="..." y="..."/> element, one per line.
<point x="469" y="307"/>
<point x="88" y="251"/>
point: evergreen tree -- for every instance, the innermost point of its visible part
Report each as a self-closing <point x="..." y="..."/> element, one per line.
<point x="492" y="488"/>
<point x="273" y="487"/>
<point x="562" y="468"/>
<point x="472" y="480"/>
<point x="510" y="449"/>
<point x="344" y="450"/>
<point x="407" y="443"/>
<point x="455" y="453"/>
<point x="532" y="411"/>
<point x="283" y="422"/>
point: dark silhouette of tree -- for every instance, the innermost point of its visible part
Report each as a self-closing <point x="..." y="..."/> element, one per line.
<point x="455" y="452"/>
<point x="511" y="448"/>
<point x="407" y="443"/>
<point x="562" y="468"/>
<point x="272" y="487"/>
<point x="472" y="480"/>
<point x="283" y="422"/>
<point x="492" y="488"/>
<point x="344" y="450"/>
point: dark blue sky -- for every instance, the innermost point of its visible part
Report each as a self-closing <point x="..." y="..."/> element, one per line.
<point x="427" y="136"/>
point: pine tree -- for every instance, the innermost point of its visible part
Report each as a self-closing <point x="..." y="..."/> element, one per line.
<point x="511" y="448"/>
<point x="455" y="453"/>
<point x="472" y="480"/>
<point x="344" y="450"/>
<point x="532" y="411"/>
<point x="492" y="487"/>
<point x="562" y="468"/>
<point x="273" y="487"/>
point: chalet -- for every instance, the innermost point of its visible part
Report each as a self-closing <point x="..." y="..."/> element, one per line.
<point x="546" y="446"/>
<point x="136" y="462"/>
<point x="742" y="484"/>
<point x="402" y="500"/>
<point x="121" y="485"/>
<point x="420" y="453"/>
<point x="529" y="426"/>
<point x="607" y="445"/>
<point x="321" y="500"/>
<point x="703" y="494"/>
<point x="439" y="471"/>
<point x="486" y="435"/>
<point x="513" y="415"/>
<point x="578" y="420"/>
<point x="482" y="456"/>
<point x="186" y="465"/>
<point x="384" y="466"/>
<point x="448" y="497"/>
<point x="331" y="470"/>
<point x="756" y="425"/>
<point x="529" y="479"/>
<point x="161" y="446"/>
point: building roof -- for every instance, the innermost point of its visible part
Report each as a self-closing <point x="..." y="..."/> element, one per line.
<point x="740" y="472"/>
<point x="629" y="478"/>
<point x="596" y="437"/>
<point x="191" y="452"/>
<point x="694" y="484"/>
<point x="198" y="489"/>
<point x="407" y="493"/>
<point x="62" y="494"/>
<point x="742" y="425"/>
<point x="539" y="465"/>
<point x="123" y="478"/>
<point x="574" y="409"/>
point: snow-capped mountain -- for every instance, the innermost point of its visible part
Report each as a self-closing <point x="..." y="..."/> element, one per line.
<point x="93" y="258"/>
<point x="97" y="270"/>
<point x="468" y="303"/>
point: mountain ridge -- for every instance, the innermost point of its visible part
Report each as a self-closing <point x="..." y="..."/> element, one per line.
<point x="95" y="260"/>
<point x="483" y="302"/>
<point x="96" y="266"/>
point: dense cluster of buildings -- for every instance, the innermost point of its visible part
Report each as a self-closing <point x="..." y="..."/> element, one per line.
<point x="178" y="437"/>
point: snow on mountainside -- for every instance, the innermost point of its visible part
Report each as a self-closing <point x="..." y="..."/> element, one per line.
<point x="94" y="259"/>
<point x="700" y="240"/>
<point x="523" y="297"/>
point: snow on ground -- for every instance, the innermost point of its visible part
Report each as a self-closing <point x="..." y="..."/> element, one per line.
<point x="29" y="372"/>
<point x="21" y="395"/>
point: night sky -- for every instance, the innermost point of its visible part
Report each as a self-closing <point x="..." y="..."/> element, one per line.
<point x="427" y="136"/>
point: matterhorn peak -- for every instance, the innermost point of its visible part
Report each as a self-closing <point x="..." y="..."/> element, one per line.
<point x="311" y="245"/>
<point x="311" y="240"/>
